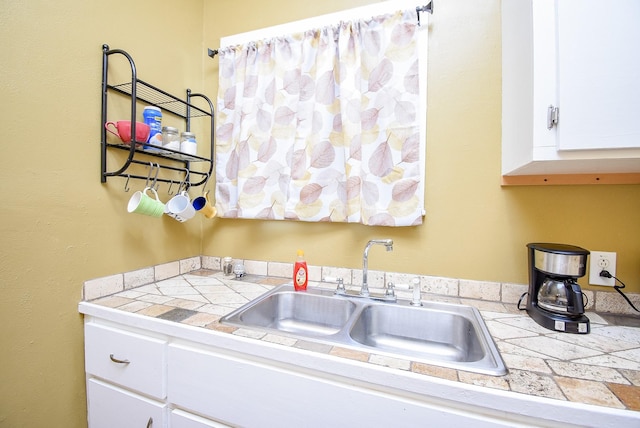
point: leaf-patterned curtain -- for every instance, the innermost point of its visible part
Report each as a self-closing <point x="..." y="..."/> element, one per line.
<point x="322" y="125"/>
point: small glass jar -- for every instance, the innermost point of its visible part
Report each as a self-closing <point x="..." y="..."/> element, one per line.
<point x="238" y="269"/>
<point x="227" y="266"/>
<point x="170" y="138"/>
<point x="188" y="143"/>
<point x="188" y="137"/>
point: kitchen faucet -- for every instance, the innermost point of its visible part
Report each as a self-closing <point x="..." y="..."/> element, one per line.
<point x="388" y="243"/>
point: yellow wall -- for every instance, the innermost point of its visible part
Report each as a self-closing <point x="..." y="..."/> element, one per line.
<point x="61" y="226"/>
<point x="474" y="228"/>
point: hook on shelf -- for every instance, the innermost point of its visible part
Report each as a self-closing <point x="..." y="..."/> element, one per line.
<point x="155" y="186"/>
<point x="185" y="182"/>
<point x="169" y="191"/>
<point x="151" y="167"/>
<point x="126" y="184"/>
<point x="206" y="181"/>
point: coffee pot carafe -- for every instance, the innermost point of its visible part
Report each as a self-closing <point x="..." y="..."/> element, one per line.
<point x="561" y="296"/>
<point x="555" y="299"/>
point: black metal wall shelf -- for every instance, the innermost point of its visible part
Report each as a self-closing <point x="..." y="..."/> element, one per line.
<point x="165" y="159"/>
<point x="157" y="97"/>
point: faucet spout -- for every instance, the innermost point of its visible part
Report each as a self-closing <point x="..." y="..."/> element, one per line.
<point x="388" y="243"/>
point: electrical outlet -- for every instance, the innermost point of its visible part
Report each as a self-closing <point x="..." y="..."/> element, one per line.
<point x="602" y="260"/>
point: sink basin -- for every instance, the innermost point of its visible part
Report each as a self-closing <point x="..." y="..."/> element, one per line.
<point x="440" y="334"/>
<point x="295" y="312"/>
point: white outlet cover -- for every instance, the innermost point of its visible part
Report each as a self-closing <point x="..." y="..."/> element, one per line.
<point x="602" y="260"/>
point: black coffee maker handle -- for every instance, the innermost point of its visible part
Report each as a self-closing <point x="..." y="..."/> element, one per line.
<point x="575" y="304"/>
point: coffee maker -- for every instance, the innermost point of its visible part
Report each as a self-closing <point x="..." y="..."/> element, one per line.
<point x="555" y="298"/>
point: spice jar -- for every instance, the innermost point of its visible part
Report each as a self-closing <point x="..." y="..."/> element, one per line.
<point x="170" y="138"/>
<point x="188" y="143"/>
<point x="238" y="269"/>
<point x="227" y="265"/>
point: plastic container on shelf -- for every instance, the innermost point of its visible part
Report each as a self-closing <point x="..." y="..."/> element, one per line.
<point x="152" y="116"/>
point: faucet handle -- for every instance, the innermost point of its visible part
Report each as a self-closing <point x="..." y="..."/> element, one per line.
<point x="340" y="288"/>
<point x="416" y="301"/>
<point x="390" y="290"/>
<point x="415" y="286"/>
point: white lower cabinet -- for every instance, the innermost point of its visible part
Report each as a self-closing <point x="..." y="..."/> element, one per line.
<point x="249" y="393"/>
<point x="167" y="375"/>
<point x="138" y="378"/>
<point x="126" y="372"/>
<point x="110" y="406"/>
<point x="126" y="358"/>
<point x="126" y="378"/>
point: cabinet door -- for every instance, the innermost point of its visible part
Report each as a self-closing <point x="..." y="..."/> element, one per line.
<point x="598" y="74"/>
<point x="127" y="359"/>
<point x="110" y="407"/>
<point x="256" y="394"/>
<point x="581" y="57"/>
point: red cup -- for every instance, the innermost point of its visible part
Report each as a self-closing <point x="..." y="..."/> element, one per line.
<point x="123" y="130"/>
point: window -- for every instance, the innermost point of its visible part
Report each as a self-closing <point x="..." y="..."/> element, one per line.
<point x="324" y="120"/>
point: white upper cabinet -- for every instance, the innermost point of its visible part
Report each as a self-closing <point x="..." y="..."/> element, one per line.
<point x="570" y="87"/>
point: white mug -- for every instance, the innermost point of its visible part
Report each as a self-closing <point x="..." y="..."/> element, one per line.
<point x="180" y="208"/>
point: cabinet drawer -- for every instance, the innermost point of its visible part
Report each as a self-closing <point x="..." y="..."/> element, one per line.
<point x="180" y="419"/>
<point x="127" y="359"/>
<point x="110" y="407"/>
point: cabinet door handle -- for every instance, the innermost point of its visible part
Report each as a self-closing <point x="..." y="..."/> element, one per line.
<point x="150" y="423"/>
<point x="116" y="360"/>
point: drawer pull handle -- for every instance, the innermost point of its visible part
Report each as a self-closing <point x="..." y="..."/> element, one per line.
<point x="116" y="360"/>
<point x="150" y="423"/>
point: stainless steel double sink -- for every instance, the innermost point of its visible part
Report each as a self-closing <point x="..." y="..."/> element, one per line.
<point x="440" y="334"/>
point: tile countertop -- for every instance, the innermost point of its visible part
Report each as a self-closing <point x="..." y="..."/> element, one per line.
<point x="601" y="368"/>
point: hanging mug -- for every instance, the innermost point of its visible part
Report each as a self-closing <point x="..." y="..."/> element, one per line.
<point x="141" y="203"/>
<point x="202" y="204"/>
<point x="180" y="208"/>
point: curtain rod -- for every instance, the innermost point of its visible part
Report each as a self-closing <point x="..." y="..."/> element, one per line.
<point x="426" y="8"/>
